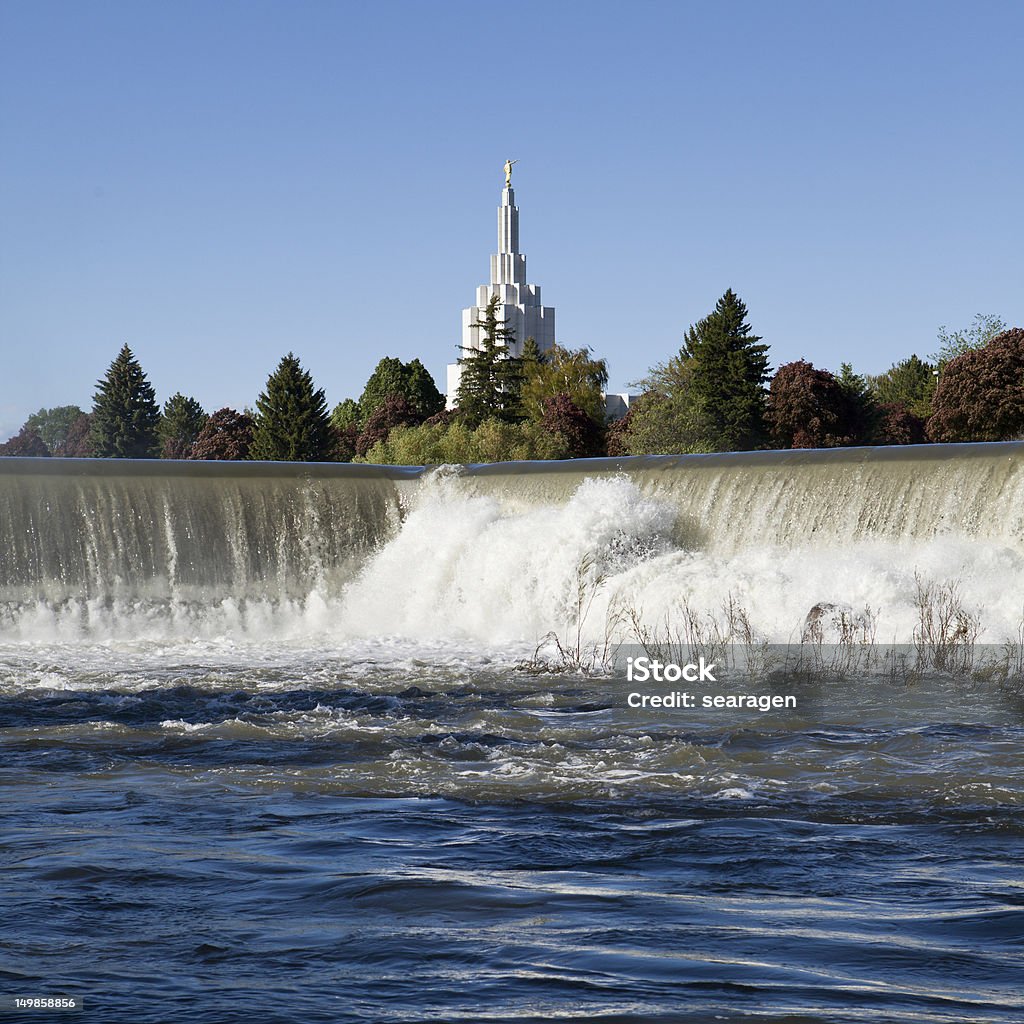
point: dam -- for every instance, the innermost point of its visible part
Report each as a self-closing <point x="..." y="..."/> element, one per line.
<point x="86" y="541"/>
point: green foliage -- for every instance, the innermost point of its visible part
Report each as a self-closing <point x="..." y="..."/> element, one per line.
<point x="531" y="354"/>
<point x="345" y="415"/>
<point x="571" y="372"/>
<point x="291" y="423"/>
<point x="910" y="384"/>
<point x="670" y="417"/>
<point x="862" y="411"/>
<point x="393" y="378"/>
<point x="421" y="391"/>
<point x="431" y="444"/>
<point x="492" y="379"/>
<point x="730" y="368"/>
<point x="53" y="425"/>
<point x="663" y="425"/>
<point x="125" y="415"/>
<point x="183" y="418"/>
<point x="388" y="378"/>
<point x="984" y="327"/>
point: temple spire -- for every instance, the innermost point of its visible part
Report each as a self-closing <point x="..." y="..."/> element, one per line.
<point x="519" y="302"/>
<point x="508" y="222"/>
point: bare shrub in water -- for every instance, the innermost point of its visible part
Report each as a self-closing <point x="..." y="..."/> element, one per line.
<point x="686" y="635"/>
<point x="572" y="652"/>
<point x="946" y="631"/>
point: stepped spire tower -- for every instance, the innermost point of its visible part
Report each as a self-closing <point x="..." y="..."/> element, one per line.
<point x="518" y="302"/>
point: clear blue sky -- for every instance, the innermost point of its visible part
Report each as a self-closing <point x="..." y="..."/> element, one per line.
<point x="217" y="183"/>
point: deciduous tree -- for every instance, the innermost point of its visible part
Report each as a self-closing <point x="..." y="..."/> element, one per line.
<point x="25" y="444"/>
<point x="980" y="394"/>
<point x="392" y="377"/>
<point x="396" y="411"/>
<point x="226" y="435"/>
<point x="807" y="408"/>
<point x="571" y="372"/>
<point x="53" y="425"/>
<point x="582" y="435"/>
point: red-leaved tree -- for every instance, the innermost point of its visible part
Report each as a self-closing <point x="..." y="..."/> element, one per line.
<point x="980" y="395"/>
<point x="807" y="408"/>
<point x="226" y="436"/>
<point x="563" y="416"/>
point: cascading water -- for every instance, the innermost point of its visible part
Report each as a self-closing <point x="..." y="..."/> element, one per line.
<point x="493" y="553"/>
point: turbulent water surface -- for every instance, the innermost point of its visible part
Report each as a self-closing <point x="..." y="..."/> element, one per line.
<point x="283" y="748"/>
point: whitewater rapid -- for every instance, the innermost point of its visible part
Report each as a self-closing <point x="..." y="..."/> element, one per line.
<point x="500" y="562"/>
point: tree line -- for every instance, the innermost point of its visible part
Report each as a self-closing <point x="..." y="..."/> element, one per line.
<point x="715" y="394"/>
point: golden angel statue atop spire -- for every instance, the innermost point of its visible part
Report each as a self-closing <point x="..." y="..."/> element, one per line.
<point x="508" y="172"/>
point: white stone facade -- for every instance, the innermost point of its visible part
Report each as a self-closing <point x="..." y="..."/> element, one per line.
<point x="519" y="303"/>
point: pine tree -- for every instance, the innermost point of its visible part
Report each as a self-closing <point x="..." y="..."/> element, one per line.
<point x="125" y="415"/>
<point x="730" y="368"/>
<point x="291" y="423"/>
<point x="492" y="379"/>
<point x="183" y="419"/>
<point x="532" y="354"/>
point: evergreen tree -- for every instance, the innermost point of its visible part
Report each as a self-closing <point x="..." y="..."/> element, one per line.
<point x="909" y="383"/>
<point x="532" y="355"/>
<point x="863" y="413"/>
<point x="291" y="423"/>
<point x="125" y="415"/>
<point x="730" y="368"/>
<point x="492" y="379"/>
<point x="183" y="419"/>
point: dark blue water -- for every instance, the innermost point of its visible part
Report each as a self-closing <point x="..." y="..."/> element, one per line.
<point x="185" y="840"/>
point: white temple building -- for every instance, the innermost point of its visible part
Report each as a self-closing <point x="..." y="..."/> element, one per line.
<point x="519" y="303"/>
